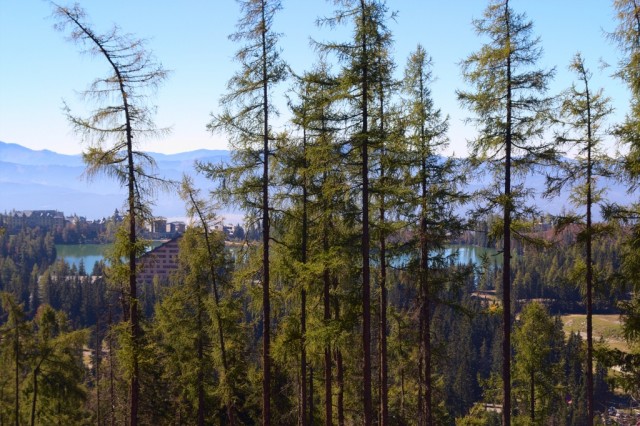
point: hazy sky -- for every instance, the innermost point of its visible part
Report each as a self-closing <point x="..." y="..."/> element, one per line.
<point x="39" y="68"/>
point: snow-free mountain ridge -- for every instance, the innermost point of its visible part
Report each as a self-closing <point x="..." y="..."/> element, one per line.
<point x="46" y="180"/>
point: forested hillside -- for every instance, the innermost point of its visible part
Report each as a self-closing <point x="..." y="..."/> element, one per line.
<point x="351" y="305"/>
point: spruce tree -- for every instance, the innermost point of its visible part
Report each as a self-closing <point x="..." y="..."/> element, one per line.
<point x="15" y="328"/>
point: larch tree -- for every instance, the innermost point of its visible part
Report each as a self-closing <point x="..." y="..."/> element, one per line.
<point x="299" y="182"/>
<point x="113" y="132"/>
<point x="215" y="261"/>
<point x="327" y="180"/>
<point x="534" y="363"/>
<point x="358" y="79"/>
<point x="187" y="334"/>
<point x="582" y="115"/>
<point x="430" y="196"/>
<point x="509" y="107"/>
<point x="15" y="333"/>
<point x="247" y="109"/>
<point x="304" y="167"/>
<point x="627" y="37"/>
<point x="386" y="184"/>
<point x="57" y="389"/>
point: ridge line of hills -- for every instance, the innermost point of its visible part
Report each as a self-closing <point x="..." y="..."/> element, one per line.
<point x="46" y="180"/>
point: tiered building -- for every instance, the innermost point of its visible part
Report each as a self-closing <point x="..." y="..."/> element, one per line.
<point x="159" y="262"/>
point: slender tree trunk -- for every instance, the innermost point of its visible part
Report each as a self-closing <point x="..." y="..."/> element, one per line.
<point x="266" y="306"/>
<point x="422" y="407"/>
<point x="303" y="292"/>
<point x="424" y="295"/>
<point x="532" y="403"/>
<point x="216" y="298"/>
<point x="426" y="319"/>
<point x="328" y="400"/>
<point x="590" y="409"/>
<point x="34" y="400"/>
<point x="366" y="239"/>
<point x="98" y="359"/>
<point x="340" y="379"/>
<point x="506" y="269"/>
<point x="303" y="361"/>
<point x="35" y="397"/>
<point x="200" y="349"/>
<point x="310" y="418"/>
<point x="339" y="364"/>
<point x="384" y="391"/>
<point x="133" y="300"/>
<point x="112" y="395"/>
<point x="134" y="387"/>
<point x="16" y="346"/>
<point x="425" y="305"/>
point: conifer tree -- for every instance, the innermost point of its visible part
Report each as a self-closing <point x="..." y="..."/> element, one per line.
<point x="358" y="78"/>
<point x="214" y="258"/>
<point x="247" y="110"/>
<point x="298" y="181"/>
<point x="385" y="187"/>
<point x="430" y="195"/>
<point x="124" y="118"/>
<point x="627" y="37"/>
<point x="56" y="369"/>
<point x="583" y="111"/>
<point x="534" y="364"/>
<point x="15" y="334"/>
<point x="509" y="106"/>
<point x="298" y="169"/>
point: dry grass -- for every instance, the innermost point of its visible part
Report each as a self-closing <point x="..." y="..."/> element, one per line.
<point x="606" y="326"/>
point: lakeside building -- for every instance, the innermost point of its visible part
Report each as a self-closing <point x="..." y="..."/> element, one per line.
<point x="32" y="218"/>
<point x="159" y="229"/>
<point x="159" y="262"/>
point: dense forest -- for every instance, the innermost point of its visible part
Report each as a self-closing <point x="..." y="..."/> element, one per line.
<point x="348" y="304"/>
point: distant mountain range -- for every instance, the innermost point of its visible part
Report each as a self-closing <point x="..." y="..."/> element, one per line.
<point x="46" y="180"/>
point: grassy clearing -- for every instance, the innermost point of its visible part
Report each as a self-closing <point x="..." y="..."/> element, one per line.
<point x="605" y="326"/>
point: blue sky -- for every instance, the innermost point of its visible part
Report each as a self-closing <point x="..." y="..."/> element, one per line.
<point x="39" y="69"/>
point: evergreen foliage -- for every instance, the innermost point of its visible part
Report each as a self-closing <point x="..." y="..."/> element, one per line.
<point x="344" y="298"/>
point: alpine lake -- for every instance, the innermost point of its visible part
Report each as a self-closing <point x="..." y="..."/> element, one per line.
<point x="89" y="254"/>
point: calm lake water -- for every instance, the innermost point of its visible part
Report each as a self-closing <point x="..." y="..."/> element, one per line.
<point x="92" y="253"/>
<point x="473" y="254"/>
<point x="88" y="253"/>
